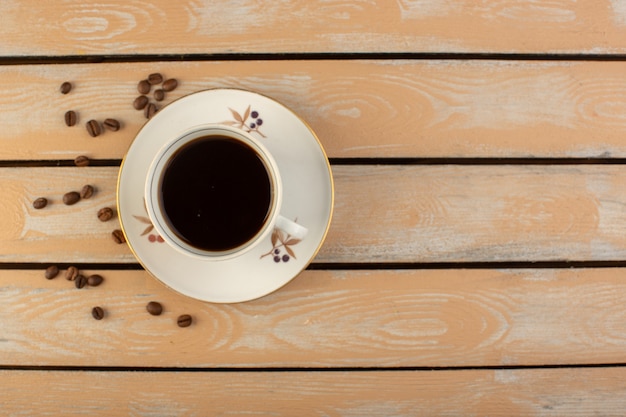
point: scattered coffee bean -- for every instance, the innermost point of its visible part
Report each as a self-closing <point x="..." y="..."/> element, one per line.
<point x="93" y="128"/>
<point x="71" y="198"/>
<point x="154" y="308"/>
<point x="71" y="273"/>
<point x="118" y="236"/>
<point x="170" y="85"/>
<point x="155" y="78"/>
<point x="144" y="87"/>
<point x="87" y="191"/>
<point x="159" y="94"/>
<point x="51" y="272"/>
<point x="66" y="87"/>
<point x="140" y="102"/>
<point x="70" y="118"/>
<point x="150" y="110"/>
<point x="184" y="320"/>
<point x="40" y="203"/>
<point x="80" y="281"/>
<point x="111" y="124"/>
<point x="105" y="214"/>
<point x="97" y="313"/>
<point x="94" y="280"/>
<point x="81" y="161"/>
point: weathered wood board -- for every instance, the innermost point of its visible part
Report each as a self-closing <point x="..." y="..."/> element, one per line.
<point x="365" y="108"/>
<point x="403" y="318"/>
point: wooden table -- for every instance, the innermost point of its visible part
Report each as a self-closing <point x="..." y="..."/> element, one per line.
<point x="476" y="260"/>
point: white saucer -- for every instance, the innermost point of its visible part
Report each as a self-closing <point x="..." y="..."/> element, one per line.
<point x="308" y="197"/>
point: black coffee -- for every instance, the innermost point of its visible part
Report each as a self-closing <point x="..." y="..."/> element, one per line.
<point x="216" y="193"/>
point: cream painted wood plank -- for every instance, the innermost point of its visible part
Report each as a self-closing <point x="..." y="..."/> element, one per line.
<point x="382" y="214"/>
<point x="533" y="392"/>
<point x="477" y="213"/>
<point x="420" y="318"/>
<point x="77" y="27"/>
<point x="358" y="108"/>
<point x="58" y="232"/>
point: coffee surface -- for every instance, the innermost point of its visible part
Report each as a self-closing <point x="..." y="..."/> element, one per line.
<point x="216" y="193"/>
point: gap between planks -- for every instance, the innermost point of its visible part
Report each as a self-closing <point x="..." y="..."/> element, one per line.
<point x="308" y="56"/>
<point x="355" y="266"/>
<point x="328" y="369"/>
<point x="360" y="161"/>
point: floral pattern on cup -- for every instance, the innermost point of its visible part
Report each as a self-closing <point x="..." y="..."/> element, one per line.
<point x="249" y="120"/>
<point x="281" y="241"/>
<point x="152" y="237"/>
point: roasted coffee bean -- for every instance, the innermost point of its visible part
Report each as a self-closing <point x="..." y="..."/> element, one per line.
<point x="150" y="110"/>
<point x="40" y="203"/>
<point x="97" y="313"/>
<point x="144" y="87"/>
<point x="154" y="308"/>
<point x="105" y="214"/>
<point x="184" y="320"/>
<point x="66" y="87"/>
<point x="80" y="281"/>
<point x="159" y="94"/>
<point x="170" y="85"/>
<point x="93" y="128"/>
<point x="87" y="191"/>
<point x="118" y="236"/>
<point x="70" y="118"/>
<point x="71" y="273"/>
<point x="81" y="161"/>
<point x="140" y="102"/>
<point x="155" y="78"/>
<point x="51" y="272"/>
<point x="71" y="198"/>
<point x="111" y="124"/>
<point x="94" y="280"/>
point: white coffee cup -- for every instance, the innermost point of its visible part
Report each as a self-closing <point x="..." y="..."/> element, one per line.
<point x="196" y="193"/>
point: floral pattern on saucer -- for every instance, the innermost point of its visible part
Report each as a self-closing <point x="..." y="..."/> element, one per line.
<point x="152" y="237"/>
<point x="280" y="240"/>
<point x="248" y="121"/>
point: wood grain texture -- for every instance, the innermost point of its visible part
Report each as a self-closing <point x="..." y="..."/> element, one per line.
<point x="58" y="232"/>
<point x="458" y="336"/>
<point x="532" y="393"/>
<point x="382" y="214"/>
<point x="203" y="26"/>
<point x="358" y="108"/>
<point x="476" y="213"/>
<point x="427" y="318"/>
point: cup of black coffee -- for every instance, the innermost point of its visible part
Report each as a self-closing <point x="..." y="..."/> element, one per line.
<point x="215" y="192"/>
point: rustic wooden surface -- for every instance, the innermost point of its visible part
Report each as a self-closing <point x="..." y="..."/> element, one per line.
<point x="421" y="213"/>
<point x="476" y="261"/>
<point x="573" y="392"/>
<point x="204" y="26"/>
<point x="363" y="108"/>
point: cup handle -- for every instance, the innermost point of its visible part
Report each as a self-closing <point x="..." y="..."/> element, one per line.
<point x="290" y="227"/>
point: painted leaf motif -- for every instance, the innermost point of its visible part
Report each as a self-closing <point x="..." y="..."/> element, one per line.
<point x="246" y="114"/>
<point x="148" y="230"/>
<point x="236" y="115"/>
<point x="143" y="219"/>
<point x="290" y="252"/>
<point x="230" y="123"/>
<point x="293" y="241"/>
<point x="274" y="237"/>
<point x="281" y="236"/>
